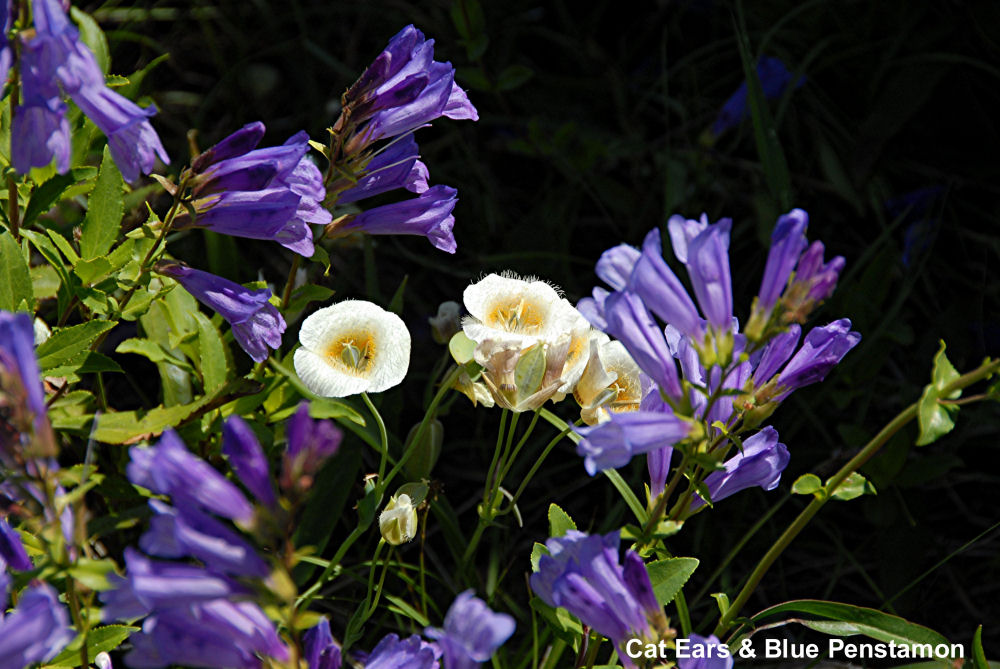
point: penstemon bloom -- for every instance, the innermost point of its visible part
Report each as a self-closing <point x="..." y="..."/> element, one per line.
<point x="472" y="633"/>
<point x="352" y="347"/>
<point x="36" y="630"/>
<point x="428" y="215"/>
<point x="256" y="323"/>
<point x="26" y="432"/>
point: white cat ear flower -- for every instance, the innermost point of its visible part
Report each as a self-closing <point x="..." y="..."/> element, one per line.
<point x="352" y="347"/>
<point x="506" y="308"/>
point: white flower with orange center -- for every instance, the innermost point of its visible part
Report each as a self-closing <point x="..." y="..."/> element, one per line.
<point x="611" y="383"/>
<point x="506" y="308"/>
<point x="352" y="347"/>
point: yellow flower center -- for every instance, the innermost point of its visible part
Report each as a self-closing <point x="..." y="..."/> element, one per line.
<point x="353" y="352"/>
<point x="516" y="315"/>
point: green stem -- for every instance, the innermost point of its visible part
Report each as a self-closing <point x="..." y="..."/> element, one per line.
<point x="305" y="599"/>
<point x="517" y="449"/>
<point x="382" y="434"/>
<point x="871" y="448"/>
<point x="535" y="467"/>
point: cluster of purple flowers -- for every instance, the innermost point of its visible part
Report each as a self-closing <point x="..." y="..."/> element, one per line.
<point x="54" y="62"/>
<point x="472" y="633"/>
<point x="402" y="90"/>
<point x="206" y="613"/>
<point x="727" y="377"/>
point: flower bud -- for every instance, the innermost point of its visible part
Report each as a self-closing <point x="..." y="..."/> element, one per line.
<point x="398" y="521"/>
<point x="446" y="323"/>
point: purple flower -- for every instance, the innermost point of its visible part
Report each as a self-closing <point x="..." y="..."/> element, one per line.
<point x="22" y="399"/>
<point x="776" y="353"/>
<point x="6" y="53"/>
<point x="472" y="632"/>
<point x="593" y="308"/>
<point x="36" y="630"/>
<point x="187" y="532"/>
<point x="170" y="469"/>
<point x="319" y="650"/>
<point x="710" y="658"/>
<point x="661" y="290"/>
<point x="428" y="215"/>
<point x="403" y="89"/>
<point x="658" y="465"/>
<point x="256" y="323"/>
<point x="217" y="633"/>
<point x="629" y="321"/>
<point x="396" y="166"/>
<point x="708" y="267"/>
<point x="616" y="264"/>
<point x="612" y="444"/>
<point x="310" y="443"/>
<point x="787" y="243"/>
<point x="11" y="549"/>
<point x="272" y="193"/>
<point x="240" y="445"/>
<point x="395" y="653"/>
<point x="822" y="349"/>
<point x="583" y="575"/>
<point x="814" y="279"/>
<point x="774" y="79"/>
<point x="56" y="54"/>
<point x="759" y="464"/>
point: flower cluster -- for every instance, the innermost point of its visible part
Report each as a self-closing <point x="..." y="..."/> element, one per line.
<point x="55" y="62"/>
<point x="471" y="635"/>
<point x="726" y="378"/>
<point x="373" y="148"/>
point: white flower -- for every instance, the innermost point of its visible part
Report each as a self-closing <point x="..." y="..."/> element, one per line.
<point x="611" y="383"/>
<point x="398" y="521"/>
<point x="506" y="308"/>
<point x="352" y="347"/>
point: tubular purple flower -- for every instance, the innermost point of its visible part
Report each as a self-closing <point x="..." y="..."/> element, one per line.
<point x="612" y="444"/>
<point x="708" y="267"/>
<point x="395" y="653"/>
<point x="256" y="323"/>
<point x="472" y="633"/>
<point x="36" y="630"/>
<point x="787" y="243"/>
<point x="310" y="443"/>
<point x="21" y="395"/>
<point x="218" y="633"/>
<point x="616" y="264"/>
<point x="630" y="322"/>
<point x="583" y="575"/>
<point x="58" y="46"/>
<point x="822" y="349"/>
<point x="6" y="53"/>
<point x="709" y="659"/>
<point x="658" y="465"/>
<point x="187" y="532"/>
<point x="661" y="290"/>
<point x="592" y="308"/>
<point x="683" y="230"/>
<point x="319" y="650"/>
<point x="428" y="215"/>
<point x="776" y="353"/>
<point x="774" y="79"/>
<point x="237" y="144"/>
<point x="817" y="278"/>
<point x="240" y="445"/>
<point x="170" y="469"/>
<point x="40" y="130"/>
<point x="760" y="464"/>
<point x="11" y="549"/>
<point x="395" y="166"/>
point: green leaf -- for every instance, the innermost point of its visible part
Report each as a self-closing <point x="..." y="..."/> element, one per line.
<point x="807" y="484"/>
<point x="212" y="354"/>
<point x="559" y="521"/>
<point x="934" y="418"/>
<point x="978" y="654"/>
<point x="90" y="363"/>
<point x="93" y="37"/>
<point x="44" y="196"/>
<point x="93" y="573"/>
<point x="462" y="348"/>
<point x="99" y="640"/>
<point x="92" y="270"/>
<point x="669" y="576"/>
<point x="513" y="77"/>
<point x="619" y="483"/>
<point x="305" y="295"/>
<point x="852" y="487"/>
<point x="396" y="303"/>
<point x="537" y="551"/>
<point x="45" y="281"/>
<point x="63" y="245"/>
<point x="400" y="605"/>
<point x="529" y="372"/>
<point x="846" y="620"/>
<point x="104" y="211"/>
<point x="15" y="279"/>
<point x="765" y="133"/>
<point x="69" y="344"/>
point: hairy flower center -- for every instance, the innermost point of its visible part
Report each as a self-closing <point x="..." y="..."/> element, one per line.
<point x="353" y="352"/>
<point x="516" y="315"/>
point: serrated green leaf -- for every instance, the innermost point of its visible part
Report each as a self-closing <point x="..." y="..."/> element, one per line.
<point x="15" y="279"/>
<point x="68" y="344"/>
<point x="89" y="271"/>
<point x="47" y="194"/>
<point x="105" y="209"/>
<point x="99" y="640"/>
<point x="64" y="246"/>
<point x="93" y="573"/>
<point x="537" y="551"/>
<point x="559" y="521"/>
<point x="90" y="363"/>
<point x="669" y="576"/>
<point x="305" y="295"/>
<point x="212" y="358"/>
<point x="807" y="484"/>
<point x="852" y="487"/>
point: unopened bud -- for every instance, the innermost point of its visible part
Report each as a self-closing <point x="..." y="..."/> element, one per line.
<point x="398" y="521"/>
<point x="447" y="322"/>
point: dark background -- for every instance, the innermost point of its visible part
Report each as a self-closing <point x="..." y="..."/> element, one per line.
<point x="593" y="129"/>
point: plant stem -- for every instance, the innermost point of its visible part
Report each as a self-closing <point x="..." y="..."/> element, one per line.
<point x="382" y="434"/>
<point x="871" y="448"/>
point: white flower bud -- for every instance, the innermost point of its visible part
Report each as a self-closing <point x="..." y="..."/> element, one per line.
<point x="398" y="521"/>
